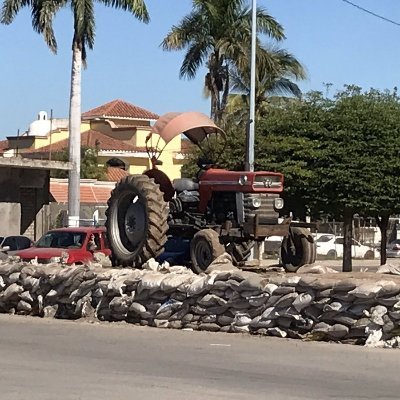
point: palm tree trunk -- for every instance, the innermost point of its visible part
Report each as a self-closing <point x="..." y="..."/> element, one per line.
<point x="225" y="93"/>
<point x="74" y="143"/>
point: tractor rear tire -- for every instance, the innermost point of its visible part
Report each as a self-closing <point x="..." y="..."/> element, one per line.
<point x="298" y="249"/>
<point x="205" y="247"/>
<point x="136" y="221"/>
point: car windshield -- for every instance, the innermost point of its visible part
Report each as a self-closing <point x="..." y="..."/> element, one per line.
<point x="324" y="238"/>
<point x="62" y="240"/>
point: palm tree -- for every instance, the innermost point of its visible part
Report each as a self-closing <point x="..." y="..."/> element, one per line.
<point x="214" y="34"/>
<point x="276" y="71"/>
<point x="43" y="12"/>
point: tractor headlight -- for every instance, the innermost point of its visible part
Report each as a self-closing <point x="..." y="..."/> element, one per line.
<point x="278" y="203"/>
<point x="242" y="180"/>
<point x="256" y="202"/>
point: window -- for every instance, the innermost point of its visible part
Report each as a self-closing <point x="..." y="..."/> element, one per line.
<point x="62" y="239"/>
<point x="324" y="238"/>
<point x="23" y="242"/>
<point x="11" y="242"/>
<point x="339" y="241"/>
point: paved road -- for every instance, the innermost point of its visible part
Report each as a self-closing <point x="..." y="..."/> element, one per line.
<point x="50" y="359"/>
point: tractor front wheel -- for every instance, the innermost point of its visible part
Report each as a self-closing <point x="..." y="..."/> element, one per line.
<point x="298" y="249"/>
<point x="205" y="247"/>
<point x="136" y="221"/>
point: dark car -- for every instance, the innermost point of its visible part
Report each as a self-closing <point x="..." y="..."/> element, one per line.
<point x="393" y="249"/>
<point x="77" y="245"/>
<point x="11" y="244"/>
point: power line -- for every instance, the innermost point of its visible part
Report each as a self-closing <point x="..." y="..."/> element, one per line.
<point x="372" y="13"/>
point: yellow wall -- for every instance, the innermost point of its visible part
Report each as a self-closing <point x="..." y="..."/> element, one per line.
<point x="136" y="137"/>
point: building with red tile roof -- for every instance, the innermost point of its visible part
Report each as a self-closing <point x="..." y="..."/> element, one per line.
<point x="119" y="109"/>
<point x="117" y="130"/>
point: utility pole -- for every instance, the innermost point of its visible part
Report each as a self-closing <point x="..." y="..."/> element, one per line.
<point x="74" y="147"/>
<point x="251" y="123"/>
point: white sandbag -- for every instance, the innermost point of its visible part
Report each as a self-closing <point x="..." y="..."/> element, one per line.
<point x="270" y="288"/>
<point x="389" y="269"/>
<point x="374" y="338"/>
<point x="337" y="332"/>
<point x="241" y="319"/>
<point x="151" y="265"/>
<point x="200" y="284"/>
<point x="12" y="291"/>
<point x="211" y="300"/>
<point x="315" y="269"/>
<point x="286" y="300"/>
<point x="366" y="290"/>
<point x="24" y="306"/>
<point x="151" y="281"/>
<point x="221" y="263"/>
<point x="336" y="306"/>
<point x="302" y="301"/>
<point x="171" y="282"/>
<point x="276" y="332"/>
<point x="253" y="282"/>
<point x="377" y="314"/>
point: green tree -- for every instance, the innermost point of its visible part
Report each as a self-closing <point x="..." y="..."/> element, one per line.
<point x="339" y="157"/>
<point x="275" y="79"/>
<point x="89" y="165"/>
<point x="43" y="13"/>
<point x="216" y="33"/>
<point x="360" y="170"/>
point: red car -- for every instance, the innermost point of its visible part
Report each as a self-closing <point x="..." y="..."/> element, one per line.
<point x="79" y="243"/>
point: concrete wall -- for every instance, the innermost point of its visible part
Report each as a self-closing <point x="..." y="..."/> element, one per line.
<point x="10" y="215"/>
<point x="22" y="197"/>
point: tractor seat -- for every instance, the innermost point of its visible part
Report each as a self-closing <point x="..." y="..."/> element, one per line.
<point x="183" y="184"/>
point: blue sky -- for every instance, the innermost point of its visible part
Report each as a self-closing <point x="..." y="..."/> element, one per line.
<point x="336" y="42"/>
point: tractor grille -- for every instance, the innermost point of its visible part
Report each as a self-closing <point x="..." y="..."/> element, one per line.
<point x="267" y="181"/>
<point x="266" y="213"/>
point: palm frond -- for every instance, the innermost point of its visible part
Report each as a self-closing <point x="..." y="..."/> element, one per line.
<point x="136" y="7"/>
<point x="194" y="58"/>
<point x="284" y="86"/>
<point x="42" y="14"/>
<point x="84" y="25"/>
<point x="10" y="9"/>
<point x="182" y="35"/>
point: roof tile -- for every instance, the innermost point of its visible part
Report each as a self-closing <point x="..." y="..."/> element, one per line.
<point x="90" y="193"/>
<point x="119" y="109"/>
<point x="115" y="174"/>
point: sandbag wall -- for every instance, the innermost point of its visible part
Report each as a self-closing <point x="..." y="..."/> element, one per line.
<point x="306" y="306"/>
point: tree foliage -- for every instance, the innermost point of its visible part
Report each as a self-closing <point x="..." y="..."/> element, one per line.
<point x="217" y="33"/>
<point x="277" y="78"/>
<point x="89" y="165"/>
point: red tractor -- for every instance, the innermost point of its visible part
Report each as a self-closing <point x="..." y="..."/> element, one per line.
<point x="219" y="211"/>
